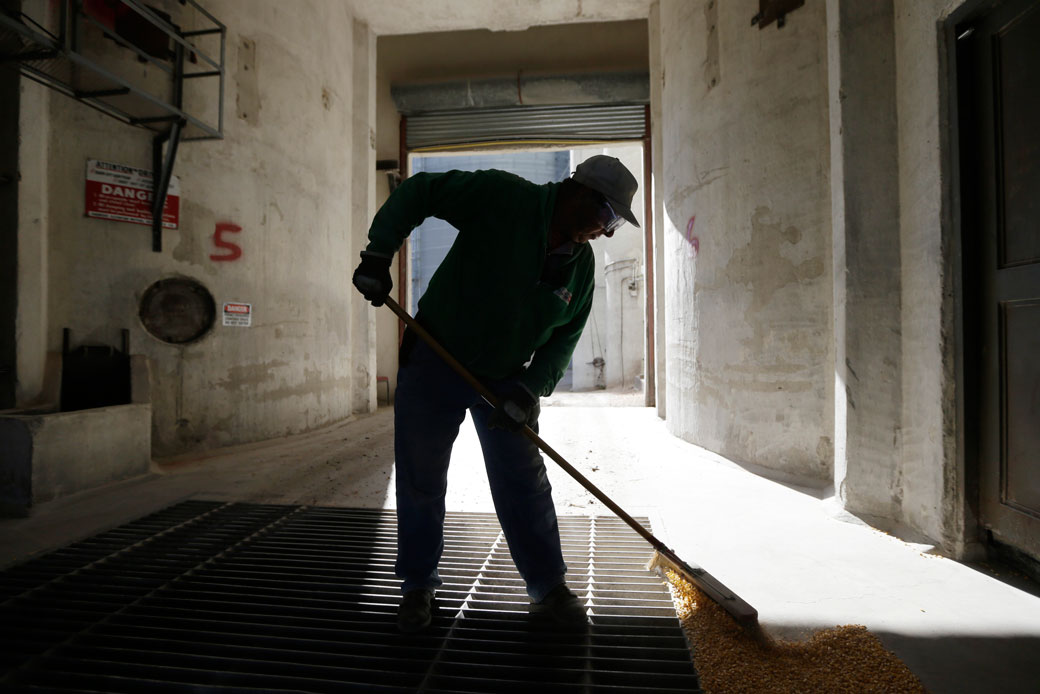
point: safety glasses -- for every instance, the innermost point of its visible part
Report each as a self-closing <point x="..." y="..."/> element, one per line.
<point x="610" y="220"/>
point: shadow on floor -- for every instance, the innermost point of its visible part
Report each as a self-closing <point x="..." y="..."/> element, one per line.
<point x="985" y="659"/>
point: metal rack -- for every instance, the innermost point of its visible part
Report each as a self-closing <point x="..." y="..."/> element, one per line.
<point x="68" y="57"/>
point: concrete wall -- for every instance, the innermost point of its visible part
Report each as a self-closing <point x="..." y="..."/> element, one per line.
<point x="46" y="454"/>
<point x="447" y="15"/>
<point x="934" y="484"/>
<point x="658" y="220"/>
<point x="75" y="451"/>
<point x="362" y="164"/>
<point x="616" y="331"/>
<point x="898" y="459"/>
<point x="387" y="332"/>
<point x="294" y="171"/>
<point x="33" y="215"/>
<point x="624" y="295"/>
<point x="867" y="301"/>
<point x="743" y="180"/>
<point x="809" y="272"/>
<point x="625" y="280"/>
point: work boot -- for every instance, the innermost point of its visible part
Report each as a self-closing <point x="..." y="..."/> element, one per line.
<point x="561" y="606"/>
<point x="414" y="614"/>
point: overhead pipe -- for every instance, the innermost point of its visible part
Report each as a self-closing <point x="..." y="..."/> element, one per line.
<point x="524" y="90"/>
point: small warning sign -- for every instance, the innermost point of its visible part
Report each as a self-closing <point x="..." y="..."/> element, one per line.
<point x="124" y="194"/>
<point x="238" y="315"/>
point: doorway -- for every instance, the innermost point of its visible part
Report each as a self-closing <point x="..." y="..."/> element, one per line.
<point x="611" y="352"/>
<point x="998" y="83"/>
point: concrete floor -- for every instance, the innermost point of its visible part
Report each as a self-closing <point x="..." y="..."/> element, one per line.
<point x="785" y="549"/>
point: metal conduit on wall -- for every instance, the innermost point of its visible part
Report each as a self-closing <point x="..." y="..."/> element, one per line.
<point x="522" y="90"/>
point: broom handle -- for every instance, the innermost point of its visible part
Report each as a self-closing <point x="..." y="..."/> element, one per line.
<point x="492" y="400"/>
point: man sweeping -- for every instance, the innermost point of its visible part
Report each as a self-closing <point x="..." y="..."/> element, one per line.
<point x="509" y="302"/>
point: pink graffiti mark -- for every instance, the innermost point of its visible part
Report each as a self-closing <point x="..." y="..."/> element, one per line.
<point x="695" y="243"/>
<point x="234" y="251"/>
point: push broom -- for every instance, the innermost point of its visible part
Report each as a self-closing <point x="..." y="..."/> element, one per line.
<point x="664" y="558"/>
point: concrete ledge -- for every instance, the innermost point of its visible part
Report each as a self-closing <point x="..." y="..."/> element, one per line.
<point x="46" y="456"/>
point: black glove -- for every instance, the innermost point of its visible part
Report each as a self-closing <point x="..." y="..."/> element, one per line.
<point x="372" y="277"/>
<point x="517" y="407"/>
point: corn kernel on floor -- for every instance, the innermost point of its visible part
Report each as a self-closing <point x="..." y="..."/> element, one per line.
<point x="840" y="660"/>
<point x="788" y="550"/>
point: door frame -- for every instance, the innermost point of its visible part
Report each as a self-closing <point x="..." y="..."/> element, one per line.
<point x="650" y="367"/>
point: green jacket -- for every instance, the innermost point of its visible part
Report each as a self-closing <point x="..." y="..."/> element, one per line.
<point x="490" y="303"/>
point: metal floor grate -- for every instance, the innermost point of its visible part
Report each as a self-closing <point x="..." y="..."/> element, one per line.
<point x="207" y="596"/>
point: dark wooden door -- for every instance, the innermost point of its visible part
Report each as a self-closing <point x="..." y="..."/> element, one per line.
<point x="999" y="83"/>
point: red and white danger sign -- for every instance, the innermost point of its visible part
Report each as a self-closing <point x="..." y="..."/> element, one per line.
<point x="238" y="315"/>
<point x="124" y="194"/>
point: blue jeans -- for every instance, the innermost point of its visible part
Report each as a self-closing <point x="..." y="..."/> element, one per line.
<point x="429" y="406"/>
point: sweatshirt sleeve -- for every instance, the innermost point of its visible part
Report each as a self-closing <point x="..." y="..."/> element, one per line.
<point x="551" y="359"/>
<point x="449" y="196"/>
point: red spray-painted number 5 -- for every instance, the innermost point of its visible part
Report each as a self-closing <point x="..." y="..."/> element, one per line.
<point x="234" y="251"/>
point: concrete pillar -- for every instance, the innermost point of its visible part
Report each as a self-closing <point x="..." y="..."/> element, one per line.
<point x="9" y="93"/>
<point x="363" y="172"/>
<point x="742" y="185"/>
<point x="387" y="329"/>
<point x="33" y="232"/>
<point x="934" y="478"/>
<point x="657" y="156"/>
<point x="866" y="255"/>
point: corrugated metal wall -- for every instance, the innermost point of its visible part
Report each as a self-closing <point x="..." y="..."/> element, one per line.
<point x="555" y="123"/>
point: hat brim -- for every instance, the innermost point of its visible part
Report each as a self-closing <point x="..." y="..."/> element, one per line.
<point x="624" y="211"/>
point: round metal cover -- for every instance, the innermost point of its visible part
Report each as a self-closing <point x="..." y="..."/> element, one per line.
<point x="177" y="310"/>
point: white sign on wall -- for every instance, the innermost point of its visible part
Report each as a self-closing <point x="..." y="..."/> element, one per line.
<point x="238" y="315"/>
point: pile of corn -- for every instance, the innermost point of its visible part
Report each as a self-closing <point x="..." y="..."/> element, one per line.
<point x="730" y="660"/>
